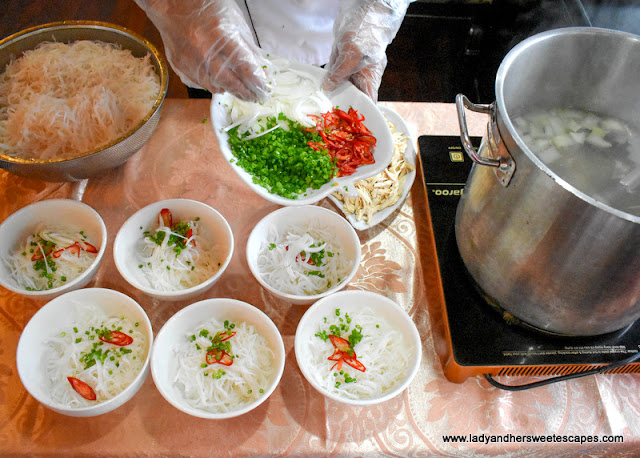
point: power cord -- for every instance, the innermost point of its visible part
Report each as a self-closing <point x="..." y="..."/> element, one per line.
<point x="561" y="378"/>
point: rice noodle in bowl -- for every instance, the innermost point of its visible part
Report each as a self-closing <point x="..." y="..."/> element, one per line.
<point x="303" y="260"/>
<point x="79" y="351"/>
<point x="234" y="380"/>
<point x="301" y="254"/>
<point x="357" y="347"/>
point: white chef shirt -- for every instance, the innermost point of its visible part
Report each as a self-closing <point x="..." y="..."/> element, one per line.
<point x="300" y="30"/>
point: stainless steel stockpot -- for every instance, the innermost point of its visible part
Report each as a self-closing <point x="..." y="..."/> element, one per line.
<point x="549" y="254"/>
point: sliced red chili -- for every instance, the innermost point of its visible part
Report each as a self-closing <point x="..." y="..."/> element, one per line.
<point x="82" y="388"/>
<point x="344" y="353"/>
<point x="213" y="356"/>
<point x="226" y="359"/>
<point x="38" y="254"/>
<point x="116" y="338"/>
<point x="89" y="248"/>
<point x="302" y="258"/>
<point x="166" y="216"/>
<point x="337" y="355"/>
<point x="219" y="356"/>
<point x="225" y="335"/>
<point x="368" y="139"/>
<point x="340" y="343"/>
<point x="353" y="362"/>
<point x="75" y="249"/>
<point x="345" y="138"/>
<point x="58" y="253"/>
<point x="189" y="235"/>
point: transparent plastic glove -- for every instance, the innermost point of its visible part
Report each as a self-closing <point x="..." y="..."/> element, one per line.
<point x="361" y="33"/>
<point x="209" y="45"/>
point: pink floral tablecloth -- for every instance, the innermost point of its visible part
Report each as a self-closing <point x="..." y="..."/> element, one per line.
<point x="182" y="159"/>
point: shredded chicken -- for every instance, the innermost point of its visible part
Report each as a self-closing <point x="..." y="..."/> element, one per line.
<point x="383" y="190"/>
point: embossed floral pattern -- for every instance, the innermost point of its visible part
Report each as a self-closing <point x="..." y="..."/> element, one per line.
<point x="182" y="159"/>
<point x="378" y="273"/>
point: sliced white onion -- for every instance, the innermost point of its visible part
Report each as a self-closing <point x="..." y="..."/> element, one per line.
<point x="295" y="94"/>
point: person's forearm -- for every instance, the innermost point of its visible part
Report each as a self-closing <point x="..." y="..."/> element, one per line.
<point x="375" y="23"/>
<point x="362" y="33"/>
<point x="209" y="45"/>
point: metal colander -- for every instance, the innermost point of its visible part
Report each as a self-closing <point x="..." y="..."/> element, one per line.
<point x="119" y="150"/>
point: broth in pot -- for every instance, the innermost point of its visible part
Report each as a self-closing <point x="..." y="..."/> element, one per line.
<point x="594" y="153"/>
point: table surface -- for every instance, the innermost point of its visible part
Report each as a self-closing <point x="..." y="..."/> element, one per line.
<point x="182" y="159"/>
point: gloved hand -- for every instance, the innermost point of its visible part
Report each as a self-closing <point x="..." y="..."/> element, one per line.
<point x="361" y="35"/>
<point x="209" y="45"/>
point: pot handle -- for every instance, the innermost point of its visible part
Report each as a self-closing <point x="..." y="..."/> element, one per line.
<point x="463" y="102"/>
<point x="503" y="162"/>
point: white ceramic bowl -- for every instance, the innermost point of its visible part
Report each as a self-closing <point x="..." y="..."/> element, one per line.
<point x="410" y="156"/>
<point x="387" y="311"/>
<point x="59" y="314"/>
<point x="54" y="212"/>
<point x="145" y="219"/>
<point x="344" y="96"/>
<point x="307" y="216"/>
<point x="164" y="363"/>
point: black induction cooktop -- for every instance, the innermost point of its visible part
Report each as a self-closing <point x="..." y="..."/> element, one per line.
<point x="482" y="335"/>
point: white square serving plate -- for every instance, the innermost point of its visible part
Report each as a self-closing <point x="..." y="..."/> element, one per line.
<point x="344" y="96"/>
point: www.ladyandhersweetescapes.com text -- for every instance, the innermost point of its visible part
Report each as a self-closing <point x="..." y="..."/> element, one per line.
<point x="518" y="438"/>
